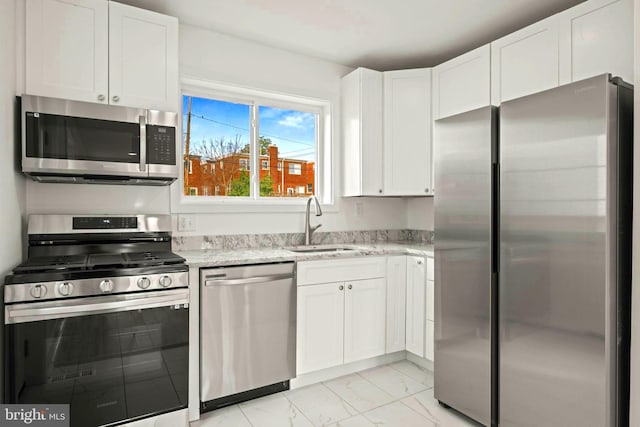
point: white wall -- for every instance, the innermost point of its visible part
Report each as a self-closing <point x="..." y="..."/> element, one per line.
<point x="205" y="55"/>
<point x="11" y="183"/>
<point x="635" y="298"/>
<point x="420" y="213"/>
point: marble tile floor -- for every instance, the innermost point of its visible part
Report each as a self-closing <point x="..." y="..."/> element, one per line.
<point x="396" y="395"/>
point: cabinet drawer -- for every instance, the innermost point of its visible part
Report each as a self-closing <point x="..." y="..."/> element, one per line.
<point x="430" y="268"/>
<point x="340" y="270"/>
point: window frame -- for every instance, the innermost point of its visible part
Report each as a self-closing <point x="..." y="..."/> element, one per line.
<point x="323" y="184"/>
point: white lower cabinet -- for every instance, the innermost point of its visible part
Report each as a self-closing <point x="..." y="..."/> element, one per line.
<point x="364" y="319"/>
<point x="428" y="340"/>
<point x="415" y="318"/>
<point x="320" y="328"/>
<point x="341" y="321"/>
<point x="369" y="307"/>
<point x="396" y="302"/>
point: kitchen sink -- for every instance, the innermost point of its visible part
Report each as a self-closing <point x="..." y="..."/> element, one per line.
<point x="320" y="248"/>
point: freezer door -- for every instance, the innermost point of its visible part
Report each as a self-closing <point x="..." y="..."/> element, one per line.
<point x="557" y="263"/>
<point x="464" y="152"/>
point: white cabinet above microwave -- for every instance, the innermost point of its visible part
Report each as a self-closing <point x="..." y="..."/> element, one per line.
<point x="102" y="52"/>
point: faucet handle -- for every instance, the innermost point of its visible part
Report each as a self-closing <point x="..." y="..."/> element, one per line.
<point x="315" y="227"/>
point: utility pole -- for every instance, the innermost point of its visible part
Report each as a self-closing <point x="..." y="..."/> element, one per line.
<point x="186" y="150"/>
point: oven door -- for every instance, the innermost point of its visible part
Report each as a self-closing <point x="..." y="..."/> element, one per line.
<point x="113" y="358"/>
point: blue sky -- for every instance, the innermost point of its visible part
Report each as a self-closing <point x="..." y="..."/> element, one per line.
<point x="292" y="131"/>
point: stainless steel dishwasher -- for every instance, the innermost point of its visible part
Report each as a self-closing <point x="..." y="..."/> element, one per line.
<point x="247" y="332"/>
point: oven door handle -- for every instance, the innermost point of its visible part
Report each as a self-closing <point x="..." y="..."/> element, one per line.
<point x="31" y="312"/>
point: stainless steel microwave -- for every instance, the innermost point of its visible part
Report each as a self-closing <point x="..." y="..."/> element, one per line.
<point x="73" y="141"/>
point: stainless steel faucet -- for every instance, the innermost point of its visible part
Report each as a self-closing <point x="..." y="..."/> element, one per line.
<point x="308" y="229"/>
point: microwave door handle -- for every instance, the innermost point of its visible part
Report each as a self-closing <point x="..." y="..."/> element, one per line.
<point x="143" y="143"/>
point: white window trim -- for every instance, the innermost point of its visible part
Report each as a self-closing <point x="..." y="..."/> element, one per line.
<point x="324" y="182"/>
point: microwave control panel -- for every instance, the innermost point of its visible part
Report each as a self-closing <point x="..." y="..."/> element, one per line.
<point x="161" y="145"/>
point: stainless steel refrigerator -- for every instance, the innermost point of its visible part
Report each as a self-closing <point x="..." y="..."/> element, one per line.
<point x="533" y="258"/>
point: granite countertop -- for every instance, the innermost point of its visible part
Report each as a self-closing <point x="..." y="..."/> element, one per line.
<point x="219" y="257"/>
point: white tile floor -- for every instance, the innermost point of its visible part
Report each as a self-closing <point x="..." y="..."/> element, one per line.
<point x="395" y="395"/>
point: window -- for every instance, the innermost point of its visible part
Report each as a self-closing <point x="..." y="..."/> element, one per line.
<point x="190" y="167"/>
<point x="193" y="191"/>
<point x="295" y="169"/>
<point x="221" y="131"/>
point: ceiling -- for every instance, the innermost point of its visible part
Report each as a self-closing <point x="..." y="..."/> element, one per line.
<point x="378" y="34"/>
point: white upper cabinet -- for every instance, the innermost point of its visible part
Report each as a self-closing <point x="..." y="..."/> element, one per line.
<point x="143" y="58"/>
<point x="596" y="37"/>
<point x="525" y="62"/>
<point x="462" y="83"/>
<point x="102" y="51"/>
<point x="67" y="49"/>
<point x="362" y="133"/>
<point x="407" y="132"/>
<point x="592" y="38"/>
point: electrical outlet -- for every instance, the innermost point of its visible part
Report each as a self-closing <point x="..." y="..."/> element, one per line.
<point x="359" y="208"/>
<point x="186" y="223"/>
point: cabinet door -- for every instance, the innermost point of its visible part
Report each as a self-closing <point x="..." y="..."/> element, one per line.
<point x="525" y="62"/>
<point x="320" y="326"/>
<point x="463" y="83"/>
<point x="396" y="303"/>
<point x="407" y="132"/>
<point x="596" y="37"/>
<point x="416" y="283"/>
<point x="364" y="319"/>
<point x="362" y="132"/>
<point x="428" y="340"/>
<point x="67" y="49"/>
<point x="143" y="58"/>
<point x="430" y="300"/>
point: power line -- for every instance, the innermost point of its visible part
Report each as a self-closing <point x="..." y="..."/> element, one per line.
<point x="247" y="130"/>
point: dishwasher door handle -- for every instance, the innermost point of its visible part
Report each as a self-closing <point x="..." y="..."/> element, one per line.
<point x="248" y="280"/>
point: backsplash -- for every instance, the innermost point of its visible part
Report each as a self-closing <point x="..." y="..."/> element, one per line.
<point x="276" y="240"/>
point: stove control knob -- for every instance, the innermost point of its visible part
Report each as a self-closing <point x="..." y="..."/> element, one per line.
<point x="144" y="282"/>
<point x="65" y="289"/>
<point x="106" y="286"/>
<point x="165" y="281"/>
<point x="38" y="291"/>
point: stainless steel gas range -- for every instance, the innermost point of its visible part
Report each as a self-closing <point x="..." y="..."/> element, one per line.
<point x="97" y="317"/>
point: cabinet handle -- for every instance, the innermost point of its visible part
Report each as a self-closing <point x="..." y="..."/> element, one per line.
<point x="116" y="98"/>
<point x="101" y="97"/>
<point x="419" y="262"/>
<point x="341" y="287"/>
<point x="426" y="190"/>
<point x="349" y="287"/>
<point x="380" y="191"/>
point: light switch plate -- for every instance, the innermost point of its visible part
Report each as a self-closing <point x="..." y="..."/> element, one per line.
<point x="186" y="223"/>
